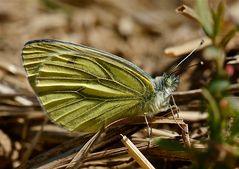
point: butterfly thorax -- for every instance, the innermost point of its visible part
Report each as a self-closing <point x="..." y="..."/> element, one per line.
<point x="164" y="86"/>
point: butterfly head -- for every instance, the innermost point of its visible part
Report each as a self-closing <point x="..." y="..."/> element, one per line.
<point x="167" y="83"/>
<point x="164" y="86"/>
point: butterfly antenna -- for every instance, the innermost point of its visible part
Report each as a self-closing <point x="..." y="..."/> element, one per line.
<point x="175" y="67"/>
<point x="177" y="72"/>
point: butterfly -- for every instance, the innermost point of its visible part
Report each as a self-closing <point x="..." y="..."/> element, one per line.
<point x="84" y="89"/>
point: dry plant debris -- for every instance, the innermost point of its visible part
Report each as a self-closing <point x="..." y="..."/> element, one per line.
<point x="136" y="30"/>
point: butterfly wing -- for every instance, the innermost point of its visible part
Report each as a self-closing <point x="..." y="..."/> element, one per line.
<point x="84" y="89"/>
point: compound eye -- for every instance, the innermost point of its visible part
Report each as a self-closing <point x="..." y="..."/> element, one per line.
<point x="168" y="82"/>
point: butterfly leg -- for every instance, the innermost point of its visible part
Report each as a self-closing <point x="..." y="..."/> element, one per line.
<point x="175" y="105"/>
<point x="149" y="130"/>
<point x="184" y="127"/>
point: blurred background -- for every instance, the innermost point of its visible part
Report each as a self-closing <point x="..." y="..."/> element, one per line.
<point x="139" y="31"/>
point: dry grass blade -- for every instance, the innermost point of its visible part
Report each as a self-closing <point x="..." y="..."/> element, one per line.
<point x="34" y="141"/>
<point x="188" y="12"/>
<point x="136" y="154"/>
<point x="190" y="95"/>
<point x="187" y="47"/>
<point x="78" y="159"/>
<point x="127" y="29"/>
<point x="53" y="158"/>
<point x="143" y="147"/>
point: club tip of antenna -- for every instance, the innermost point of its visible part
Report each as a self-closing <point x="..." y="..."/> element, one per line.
<point x="202" y="42"/>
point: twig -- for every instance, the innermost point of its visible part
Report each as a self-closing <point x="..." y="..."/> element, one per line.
<point x="185" y="135"/>
<point x="143" y="147"/>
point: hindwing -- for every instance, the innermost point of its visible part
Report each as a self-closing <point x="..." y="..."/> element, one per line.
<point x="84" y="89"/>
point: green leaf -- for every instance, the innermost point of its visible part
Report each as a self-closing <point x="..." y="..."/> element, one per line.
<point x="205" y="17"/>
<point x="171" y="145"/>
<point x="228" y="37"/>
<point x="218" y="17"/>
<point x="235" y="126"/>
<point x="218" y="86"/>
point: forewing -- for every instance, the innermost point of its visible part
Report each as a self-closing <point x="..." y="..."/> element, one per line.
<point x="82" y="88"/>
